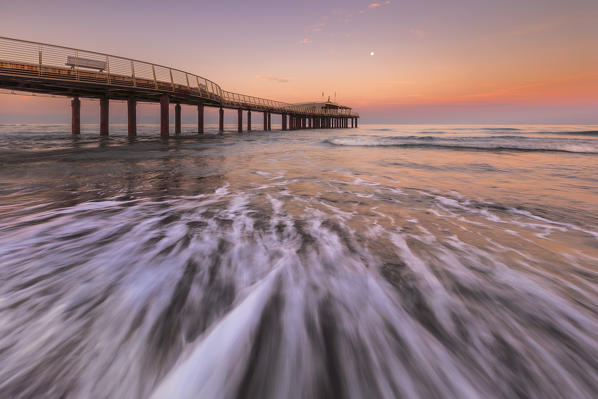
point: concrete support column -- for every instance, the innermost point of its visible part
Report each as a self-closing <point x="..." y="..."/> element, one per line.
<point x="356" y="124"/>
<point x="284" y="121"/>
<point x="104" y="116"/>
<point x="76" y="115"/>
<point x="164" y="117"/>
<point x="200" y="119"/>
<point x="221" y="120"/>
<point x="240" y="120"/>
<point x="248" y="121"/>
<point x="269" y="121"/>
<point x="132" y="116"/>
<point x="265" y="121"/>
<point x="177" y="119"/>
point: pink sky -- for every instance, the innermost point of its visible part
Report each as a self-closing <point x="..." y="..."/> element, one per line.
<point x="434" y="61"/>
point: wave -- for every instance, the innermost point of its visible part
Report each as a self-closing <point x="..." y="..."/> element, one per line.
<point x="577" y="133"/>
<point x="475" y="144"/>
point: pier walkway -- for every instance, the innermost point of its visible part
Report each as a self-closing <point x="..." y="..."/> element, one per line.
<point x="57" y="70"/>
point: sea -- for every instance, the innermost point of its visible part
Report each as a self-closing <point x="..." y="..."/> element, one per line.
<point x="386" y="261"/>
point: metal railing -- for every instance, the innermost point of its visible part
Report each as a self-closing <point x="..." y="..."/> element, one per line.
<point x="32" y="59"/>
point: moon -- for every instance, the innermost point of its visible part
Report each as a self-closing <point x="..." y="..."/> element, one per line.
<point x="372" y="53"/>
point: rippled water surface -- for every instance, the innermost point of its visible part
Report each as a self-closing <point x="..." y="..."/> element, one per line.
<point x="380" y="262"/>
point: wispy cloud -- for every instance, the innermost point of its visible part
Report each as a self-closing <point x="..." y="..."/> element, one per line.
<point x="376" y="5"/>
<point x="418" y="32"/>
<point x="316" y="27"/>
<point x="305" y="41"/>
<point x="273" y="78"/>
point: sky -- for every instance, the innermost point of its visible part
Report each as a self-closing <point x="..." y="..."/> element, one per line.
<point x="434" y="61"/>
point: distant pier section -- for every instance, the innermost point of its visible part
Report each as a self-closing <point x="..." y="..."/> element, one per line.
<point x="57" y="70"/>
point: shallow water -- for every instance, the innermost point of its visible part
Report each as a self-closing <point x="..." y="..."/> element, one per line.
<point x="385" y="261"/>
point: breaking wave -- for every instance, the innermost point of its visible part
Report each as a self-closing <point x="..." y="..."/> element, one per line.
<point x="494" y="143"/>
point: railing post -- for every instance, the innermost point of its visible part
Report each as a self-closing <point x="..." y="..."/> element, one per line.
<point x="171" y="79"/>
<point x="155" y="80"/>
<point x="133" y="74"/>
<point x="108" y="70"/>
<point x="40" y="62"/>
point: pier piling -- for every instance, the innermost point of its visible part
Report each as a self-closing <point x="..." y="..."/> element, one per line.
<point x="132" y="116"/>
<point x="104" y="116"/>
<point x="76" y="115"/>
<point x="221" y="120"/>
<point x="200" y="119"/>
<point x="177" y="119"/>
<point x="164" y="117"/>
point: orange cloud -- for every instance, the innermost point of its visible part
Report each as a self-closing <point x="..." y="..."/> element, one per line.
<point x="375" y="5"/>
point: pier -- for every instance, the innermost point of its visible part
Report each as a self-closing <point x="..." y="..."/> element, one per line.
<point x="44" y="68"/>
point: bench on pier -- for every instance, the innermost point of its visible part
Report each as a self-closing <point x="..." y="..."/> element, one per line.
<point x="85" y="63"/>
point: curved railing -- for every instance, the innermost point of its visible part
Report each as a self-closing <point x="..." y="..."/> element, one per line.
<point x="32" y="59"/>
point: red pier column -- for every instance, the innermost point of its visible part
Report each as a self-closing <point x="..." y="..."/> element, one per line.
<point x="249" y="120"/>
<point x="177" y="119"/>
<point x="76" y="115"/>
<point x="221" y="120"/>
<point x="200" y="119"/>
<point x="164" y="117"/>
<point x="240" y="120"/>
<point x="132" y="116"/>
<point x="104" y="116"/>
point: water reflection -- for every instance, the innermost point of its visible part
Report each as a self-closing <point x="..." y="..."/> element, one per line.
<point x="281" y="265"/>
